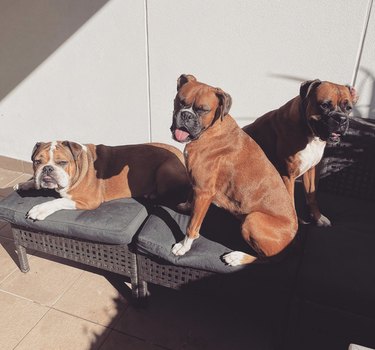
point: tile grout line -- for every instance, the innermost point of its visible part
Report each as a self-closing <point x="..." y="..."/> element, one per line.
<point x="34" y="301"/>
<point x="49" y="309"/>
<point x="7" y="276"/>
<point x="68" y="288"/>
<point x="91" y="321"/>
<point x="15" y="179"/>
<point x="21" y="297"/>
<point x="111" y="328"/>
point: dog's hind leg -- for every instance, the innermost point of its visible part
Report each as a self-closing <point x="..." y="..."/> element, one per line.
<point x="237" y="258"/>
<point x="268" y="234"/>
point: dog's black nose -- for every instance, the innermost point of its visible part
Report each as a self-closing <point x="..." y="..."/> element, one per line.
<point x="186" y="116"/>
<point x="340" y="118"/>
<point x="48" y="169"/>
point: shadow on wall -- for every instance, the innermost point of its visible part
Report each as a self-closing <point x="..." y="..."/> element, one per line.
<point x="366" y="108"/>
<point x="30" y="31"/>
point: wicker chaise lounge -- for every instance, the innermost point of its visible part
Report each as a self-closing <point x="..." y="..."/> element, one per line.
<point x="120" y="236"/>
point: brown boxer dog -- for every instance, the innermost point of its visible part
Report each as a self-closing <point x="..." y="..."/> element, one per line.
<point x="227" y="168"/>
<point x="295" y="135"/>
<point x="87" y="175"/>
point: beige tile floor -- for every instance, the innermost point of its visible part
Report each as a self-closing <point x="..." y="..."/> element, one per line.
<point x="59" y="305"/>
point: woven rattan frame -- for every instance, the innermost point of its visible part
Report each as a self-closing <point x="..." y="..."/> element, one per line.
<point x="110" y="257"/>
<point x="164" y="274"/>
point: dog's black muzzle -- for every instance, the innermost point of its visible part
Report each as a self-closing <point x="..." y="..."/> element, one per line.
<point x="336" y="125"/>
<point x="337" y="122"/>
<point x="186" y="121"/>
<point x="185" y="116"/>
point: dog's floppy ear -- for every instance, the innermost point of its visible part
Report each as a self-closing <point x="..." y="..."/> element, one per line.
<point x="75" y="148"/>
<point x="183" y="79"/>
<point x="353" y="93"/>
<point x="225" y="102"/>
<point x="35" y="149"/>
<point x="307" y="86"/>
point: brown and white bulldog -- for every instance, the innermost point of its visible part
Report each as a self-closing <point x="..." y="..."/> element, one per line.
<point x="229" y="169"/>
<point x="87" y="175"/>
<point x="295" y="135"/>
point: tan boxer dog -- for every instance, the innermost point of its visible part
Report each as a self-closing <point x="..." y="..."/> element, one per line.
<point x="227" y="168"/>
<point x="87" y="175"/>
<point x="295" y="135"/>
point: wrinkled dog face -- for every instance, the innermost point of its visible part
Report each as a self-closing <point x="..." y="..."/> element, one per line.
<point x="196" y="107"/>
<point x="328" y="107"/>
<point x="53" y="164"/>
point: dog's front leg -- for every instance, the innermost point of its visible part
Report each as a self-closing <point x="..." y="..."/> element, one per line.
<point x="25" y="186"/>
<point x="41" y="211"/>
<point x="201" y="203"/>
<point x="309" y="184"/>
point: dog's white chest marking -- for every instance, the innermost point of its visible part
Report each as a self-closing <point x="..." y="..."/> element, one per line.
<point x="311" y="155"/>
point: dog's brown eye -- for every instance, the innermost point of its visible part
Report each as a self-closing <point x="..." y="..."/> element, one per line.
<point x="37" y="161"/>
<point x="348" y="108"/>
<point x="324" y="105"/>
<point x="202" y="111"/>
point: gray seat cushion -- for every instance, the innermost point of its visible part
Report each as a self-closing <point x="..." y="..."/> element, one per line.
<point x="219" y="234"/>
<point x="114" y="222"/>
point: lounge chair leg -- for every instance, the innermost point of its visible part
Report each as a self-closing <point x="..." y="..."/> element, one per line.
<point x="22" y="258"/>
<point x="21" y="252"/>
<point x="142" y="289"/>
<point x="139" y="288"/>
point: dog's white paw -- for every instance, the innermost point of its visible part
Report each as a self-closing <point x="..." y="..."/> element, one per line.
<point x="237" y="258"/>
<point x="323" y="221"/>
<point x="234" y="258"/>
<point x="40" y="211"/>
<point x="179" y="249"/>
<point x="182" y="247"/>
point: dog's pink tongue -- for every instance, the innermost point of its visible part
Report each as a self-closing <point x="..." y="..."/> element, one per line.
<point x="181" y="135"/>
